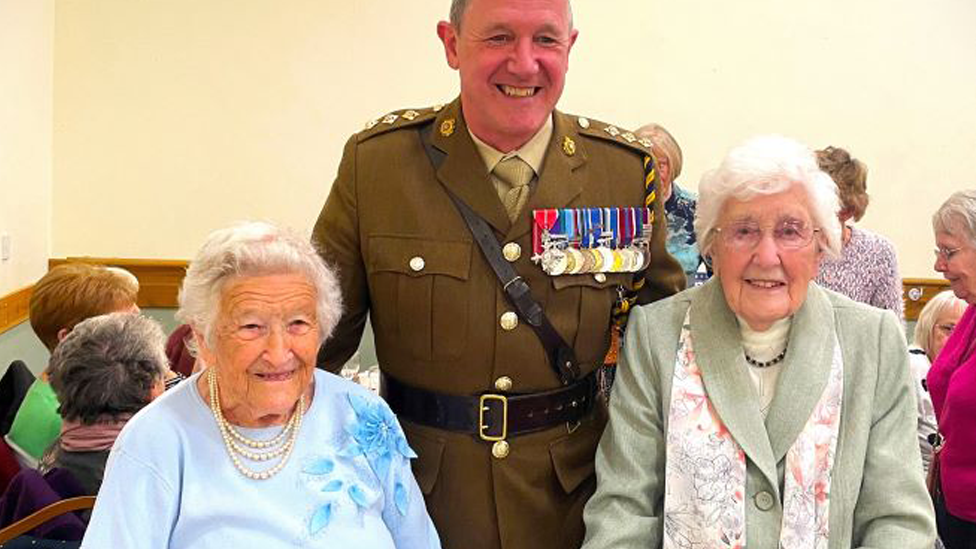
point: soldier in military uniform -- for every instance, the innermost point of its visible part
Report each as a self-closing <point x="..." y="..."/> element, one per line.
<point x="506" y="446"/>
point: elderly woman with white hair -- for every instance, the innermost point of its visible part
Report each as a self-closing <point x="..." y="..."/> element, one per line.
<point x="952" y="378"/>
<point x="759" y="410"/>
<point x="935" y="324"/>
<point x="260" y="449"/>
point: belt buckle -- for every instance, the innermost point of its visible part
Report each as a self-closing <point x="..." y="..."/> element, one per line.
<point x="482" y="408"/>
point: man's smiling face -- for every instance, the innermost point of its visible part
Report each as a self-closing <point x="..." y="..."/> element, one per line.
<point x="512" y="56"/>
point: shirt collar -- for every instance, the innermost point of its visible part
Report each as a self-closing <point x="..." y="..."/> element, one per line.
<point x="533" y="152"/>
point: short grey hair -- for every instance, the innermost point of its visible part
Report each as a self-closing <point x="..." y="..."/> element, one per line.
<point x="663" y="141"/>
<point x="922" y="337"/>
<point x="766" y="165"/>
<point x="254" y="249"/>
<point x="459" y="6"/>
<point x="957" y="212"/>
<point x="107" y="366"/>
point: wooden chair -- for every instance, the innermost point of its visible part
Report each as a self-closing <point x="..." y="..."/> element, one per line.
<point x="41" y="516"/>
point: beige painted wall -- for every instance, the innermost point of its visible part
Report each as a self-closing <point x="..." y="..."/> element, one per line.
<point x="26" y="64"/>
<point x="175" y="117"/>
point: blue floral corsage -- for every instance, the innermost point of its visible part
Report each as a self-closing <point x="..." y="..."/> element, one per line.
<point x="374" y="434"/>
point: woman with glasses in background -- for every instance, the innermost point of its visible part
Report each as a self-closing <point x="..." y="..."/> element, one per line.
<point x="952" y="378"/>
<point x="758" y="409"/>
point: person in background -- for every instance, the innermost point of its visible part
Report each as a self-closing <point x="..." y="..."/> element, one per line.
<point x="505" y="431"/>
<point x="867" y="269"/>
<point x="679" y="203"/>
<point x="758" y="410"/>
<point x="260" y="448"/>
<point x="935" y="324"/>
<point x="65" y="296"/>
<point x="103" y="372"/>
<point x="181" y="359"/>
<point x="952" y="378"/>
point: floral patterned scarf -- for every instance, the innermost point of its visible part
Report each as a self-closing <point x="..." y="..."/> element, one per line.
<point x="704" y="502"/>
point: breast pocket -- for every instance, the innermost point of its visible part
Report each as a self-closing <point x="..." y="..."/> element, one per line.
<point x="418" y="293"/>
<point x="592" y="297"/>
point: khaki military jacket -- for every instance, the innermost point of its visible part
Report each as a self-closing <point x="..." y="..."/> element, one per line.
<point x="405" y="257"/>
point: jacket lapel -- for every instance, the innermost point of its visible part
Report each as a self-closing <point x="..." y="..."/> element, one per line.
<point x="718" y="351"/>
<point x="463" y="171"/>
<point x="809" y="357"/>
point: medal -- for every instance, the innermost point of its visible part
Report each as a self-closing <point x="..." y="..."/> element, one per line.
<point x="588" y="261"/>
<point x="606" y="260"/>
<point x="574" y="261"/>
<point x="592" y="240"/>
<point x="558" y="263"/>
<point x="646" y="257"/>
<point x="597" y="265"/>
<point x="544" y="223"/>
<point x="613" y="223"/>
<point x="618" y="262"/>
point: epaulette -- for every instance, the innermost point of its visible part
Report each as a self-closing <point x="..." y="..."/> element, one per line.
<point x="396" y="120"/>
<point x="609" y="132"/>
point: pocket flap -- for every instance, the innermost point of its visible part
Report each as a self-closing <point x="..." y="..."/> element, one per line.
<point x="612" y="280"/>
<point x="416" y="256"/>
<point x="573" y="455"/>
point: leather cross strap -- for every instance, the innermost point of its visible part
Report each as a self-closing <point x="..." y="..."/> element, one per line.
<point x="561" y="355"/>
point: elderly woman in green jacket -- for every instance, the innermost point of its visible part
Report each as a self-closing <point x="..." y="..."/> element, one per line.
<point x="760" y="410"/>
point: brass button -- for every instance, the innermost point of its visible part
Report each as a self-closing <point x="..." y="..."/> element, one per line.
<point x="503" y="383"/>
<point x="600" y="277"/>
<point x="500" y="449"/>
<point x="509" y="321"/>
<point x="512" y="252"/>
<point x="764" y="501"/>
<point x="417" y="263"/>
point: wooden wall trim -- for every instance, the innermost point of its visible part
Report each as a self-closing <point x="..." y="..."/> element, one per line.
<point x="159" y="279"/>
<point x="916" y="292"/>
<point x="14" y="308"/>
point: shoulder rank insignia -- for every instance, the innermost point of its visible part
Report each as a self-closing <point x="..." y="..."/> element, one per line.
<point x="395" y="120"/>
<point x="609" y="132"/>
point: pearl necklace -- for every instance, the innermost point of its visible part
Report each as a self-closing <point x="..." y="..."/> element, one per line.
<point x="775" y="360"/>
<point x="278" y="447"/>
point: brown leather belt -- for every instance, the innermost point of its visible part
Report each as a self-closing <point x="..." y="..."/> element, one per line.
<point x="492" y="416"/>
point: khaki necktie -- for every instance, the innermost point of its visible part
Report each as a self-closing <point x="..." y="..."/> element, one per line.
<point x="512" y="177"/>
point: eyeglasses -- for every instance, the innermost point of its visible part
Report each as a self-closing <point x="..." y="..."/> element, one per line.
<point x="788" y="234"/>
<point x="946" y="329"/>
<point x="946" y="254"/>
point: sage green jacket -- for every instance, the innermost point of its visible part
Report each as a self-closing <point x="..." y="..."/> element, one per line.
<point x="878" y="497"/>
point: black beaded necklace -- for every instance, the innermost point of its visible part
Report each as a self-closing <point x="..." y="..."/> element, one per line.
<point x="773" y="361"/>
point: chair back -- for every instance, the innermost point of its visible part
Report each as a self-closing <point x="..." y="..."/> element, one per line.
<point x="45" y="514"/>
<point x="30" y="492"/>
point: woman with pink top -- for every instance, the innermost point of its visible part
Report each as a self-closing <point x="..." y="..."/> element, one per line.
<point x="952" y="378"/>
